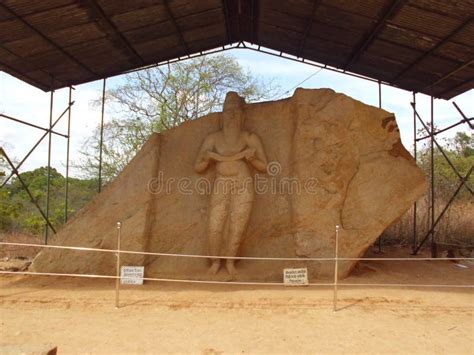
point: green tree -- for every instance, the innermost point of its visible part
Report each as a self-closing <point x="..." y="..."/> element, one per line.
<point x="460" y="151"/>
<point x="17" y="213"/>
<point x="160" y="98"/>
<point x="463" y="144"/>
<point x="4" y="168"/>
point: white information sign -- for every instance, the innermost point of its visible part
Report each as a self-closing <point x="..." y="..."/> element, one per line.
<point x="295" y="277"/>
<point x="132" y="275"/>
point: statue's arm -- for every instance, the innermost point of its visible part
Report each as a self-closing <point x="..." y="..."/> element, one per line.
<point x="203" y="158"/>
<point x="258" y="159"/>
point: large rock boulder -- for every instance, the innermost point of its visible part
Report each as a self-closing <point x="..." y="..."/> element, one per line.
<point x="334" y="161"/>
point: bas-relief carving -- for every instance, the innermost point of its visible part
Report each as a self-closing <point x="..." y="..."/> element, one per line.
<point x="232" y="152"/>
<point x="352" y="150"/>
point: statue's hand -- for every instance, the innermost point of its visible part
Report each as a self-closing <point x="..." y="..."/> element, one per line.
<point x="249" y="153"/>
<point x="206" y="156"/>
<point x="218" y="157"/>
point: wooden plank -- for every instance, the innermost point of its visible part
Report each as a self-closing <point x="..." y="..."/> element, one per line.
<point x="77" y="34"/>
<point x="189" y="7"/>
<point x="366" y="8"/>
<point x="296" y="8"/>
<point x="13" y="30"/>
<point x="115" y="36"/>
<point x="458" y="89"/>
<point x="140" y="17"/>
<point x="455" y="51"/>
<point x="203" y="32"/>
<point x="387" y="13"/>
<point x="208" y="43"/>
<point x="200" y="19"/>
<point x="29" y="46"/>
<point x="387" y="49"/>
<point x="466" y="37"/>
<point x="339" y="35"/>
<point x="150" y="33"/>
<point x="460" y="10"/>
<point x="425" y="22"/>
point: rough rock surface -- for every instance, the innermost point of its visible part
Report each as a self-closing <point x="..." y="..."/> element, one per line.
<point x="346" y="156"/>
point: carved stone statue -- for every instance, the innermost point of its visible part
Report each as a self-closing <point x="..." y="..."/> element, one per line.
<point x="232" y="149"/>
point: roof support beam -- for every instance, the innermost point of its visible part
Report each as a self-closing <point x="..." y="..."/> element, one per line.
<point x="115" y="35"/>
<point x="390" y="11"/>
<point x="47" y="39"/>
<point x="451" y="73"/>
<point x="466" y="82"/>
<point x="254" y="20"/>
<point x="19" y="74"/>
<point x="227" y="21"/>
<point x="433" y="49"/>
<point x="175" y="24"/>
<point x="308" y="28"/>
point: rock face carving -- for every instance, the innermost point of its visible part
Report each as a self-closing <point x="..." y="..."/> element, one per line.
<point x="231" y="148"/>
<point x="332" y="161"/>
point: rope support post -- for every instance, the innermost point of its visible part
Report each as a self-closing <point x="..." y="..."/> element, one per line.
<point x="117" y="279"/>
<point x="336" y="255"/>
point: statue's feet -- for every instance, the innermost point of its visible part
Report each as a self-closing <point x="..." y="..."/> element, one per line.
<point x="215" y="266"/>
<point x="231" y="267"/>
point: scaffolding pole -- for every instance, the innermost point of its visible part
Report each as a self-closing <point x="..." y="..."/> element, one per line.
<point x="432" y="167"/>
<point x="101" y="135"/>
<point x="380" y="106"/>
<point x="415" y="241"/>
<point x="48" y="188"/>
<point x="66" y="187"/>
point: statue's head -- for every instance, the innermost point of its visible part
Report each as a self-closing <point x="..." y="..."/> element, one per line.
<point x="233" y="113"/>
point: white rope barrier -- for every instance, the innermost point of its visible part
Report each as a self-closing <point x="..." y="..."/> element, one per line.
<point x="232" y="257"/>
<point x="334" y="284"/>
<point x="245" y="283"/>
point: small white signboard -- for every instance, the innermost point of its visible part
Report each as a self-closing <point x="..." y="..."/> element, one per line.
<point x="132" y="275"/>
<point x="295" y="277"/>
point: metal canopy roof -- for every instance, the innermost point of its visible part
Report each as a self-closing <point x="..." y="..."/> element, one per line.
<point x="418" y="45"/>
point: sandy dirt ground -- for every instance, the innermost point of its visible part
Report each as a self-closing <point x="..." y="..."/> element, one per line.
<point x="78" y="315"/>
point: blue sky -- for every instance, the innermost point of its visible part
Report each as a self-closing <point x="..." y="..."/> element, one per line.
<point x="21" y="100"/>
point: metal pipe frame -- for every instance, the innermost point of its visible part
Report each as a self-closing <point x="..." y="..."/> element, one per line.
<point x="66" y="187"/>
<point x="101" y="143"/>
<point x="468" y="121"/>
<point x="432" y="181"/>
<point x="435" y="223"/>
<point x="48" y="187"/>
<point x="380" y="106"/>
<point x="442" y="151"/>
<point x="47" y="132"/>
<point x="36" y="145"/>
<point x="415" y="242"/>
<point x="463" y="179"/>
<point x="33" y="200"/>
<point x="32" y="125"/>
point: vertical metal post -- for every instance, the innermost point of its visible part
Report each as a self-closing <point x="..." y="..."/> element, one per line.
<point x="336" y="255"/>
<point x="415" y="242"/>
<point x="66" y="192"/>
<point x="380" y="106"/>
<point x="380" y="94"/>
<point x="101" y="136"/>
<point x="117" y="280"/>
<point x="48" y="188"/>
<point x="433" y="243"/>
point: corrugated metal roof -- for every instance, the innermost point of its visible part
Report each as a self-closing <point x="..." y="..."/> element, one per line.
<point x="418" y="45"/>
